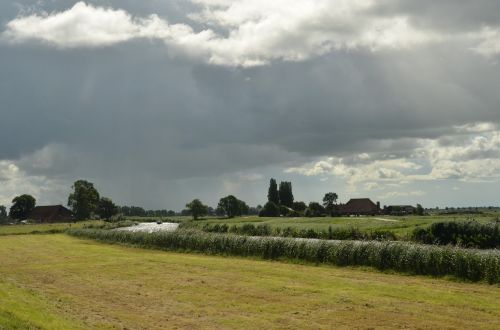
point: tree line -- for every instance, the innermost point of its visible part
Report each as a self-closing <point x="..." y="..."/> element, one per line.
<point x="84" y="200"/>
<point x="280" y="202"/>
<point x="86" y="203"/>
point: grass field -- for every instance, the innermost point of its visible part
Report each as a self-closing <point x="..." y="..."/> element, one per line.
<point x="60" y="282"/>
<point x="42" y="228"/>
<point x="401" y="226"/>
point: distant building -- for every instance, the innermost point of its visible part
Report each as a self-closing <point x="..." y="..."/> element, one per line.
<point x="399" y="209"/>
<point x="51" y="213"/>
<point x="360" y="206"/>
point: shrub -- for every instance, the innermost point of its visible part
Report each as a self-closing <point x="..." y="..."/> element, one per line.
<point x="265" y="230"/>
<point x="466" y="234"/>
<point x="314" y="210"/>
<point x="473" y="265"/>
<point x="270" y="210"/>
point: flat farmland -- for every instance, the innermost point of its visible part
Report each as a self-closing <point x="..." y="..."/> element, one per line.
<point x="60" y="282"/>
<point x="46" y="228"/>
<point x="401" y="226"/>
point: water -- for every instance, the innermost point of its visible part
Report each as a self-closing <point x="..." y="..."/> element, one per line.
<point x="151" y="227"/>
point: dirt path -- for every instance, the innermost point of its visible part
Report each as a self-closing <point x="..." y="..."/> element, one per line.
<point x="387" y="220"/>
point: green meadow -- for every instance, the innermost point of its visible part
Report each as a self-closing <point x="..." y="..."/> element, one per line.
<point x="400" y="226"/>
<point x="61" y="282"/>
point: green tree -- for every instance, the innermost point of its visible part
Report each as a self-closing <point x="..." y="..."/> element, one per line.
<point x="330" y="202"/>
<point x="270" y="210"/>
<point x="315" y="210"/>
<point x="285" y="194"/>
<point x="106" y="208"/>
<point x="244" y="208"/>
<point x="22" y="207"/>
<point x="299" y="206"/>
<point x="3" y="214"/>
<point x="84" y="199"/>
<point x="419" y="210"/>
<point x="197" y="208"/>
<point x="231" y="206"/>
<point x="272" y="194"/>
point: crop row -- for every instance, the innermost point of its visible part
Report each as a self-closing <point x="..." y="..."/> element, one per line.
<point x="473" y="265"/>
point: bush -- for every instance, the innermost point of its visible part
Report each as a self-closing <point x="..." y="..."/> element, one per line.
<point x="466" y="234"/>
<point x="270" y="210"/>
<point x="314" y="210"/>
<point x="266" y="230"/>
<point x="473" y="265"/>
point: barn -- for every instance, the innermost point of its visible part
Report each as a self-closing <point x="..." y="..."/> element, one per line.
<point x="51" y="214"/>
<point x="360" y="206"/>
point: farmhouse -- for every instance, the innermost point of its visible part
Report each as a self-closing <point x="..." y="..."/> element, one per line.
<point x="360" y="206"/>
<point x="51" y="213"/>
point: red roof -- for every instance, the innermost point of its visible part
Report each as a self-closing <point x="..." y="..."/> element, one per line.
<point x="359" y="206"/>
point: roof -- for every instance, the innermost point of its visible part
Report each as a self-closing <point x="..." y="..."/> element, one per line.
<point x="359" y="205"/>
<point x="51" y="212"/>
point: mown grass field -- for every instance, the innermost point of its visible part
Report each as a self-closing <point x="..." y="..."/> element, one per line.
<point x="60" y="282"/>
<point x="401" y="226"/>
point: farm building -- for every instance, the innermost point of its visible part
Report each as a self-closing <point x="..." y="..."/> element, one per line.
<point x="360" y="206"/>
<point x="51" y="213"/>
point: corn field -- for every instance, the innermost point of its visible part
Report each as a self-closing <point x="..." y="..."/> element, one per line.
<point x="468" y="264"/>
<point x="266" y="230"/>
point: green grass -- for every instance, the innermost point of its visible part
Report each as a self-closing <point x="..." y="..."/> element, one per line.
<point x="43" y="228"/>
<point x="400" y="226"/>
<point x="468" y="264"/>
<point x="60" y="282"/>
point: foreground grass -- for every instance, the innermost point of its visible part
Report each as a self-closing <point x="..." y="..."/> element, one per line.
<point x="59" y="282"/>
<point x="468" y="264"/>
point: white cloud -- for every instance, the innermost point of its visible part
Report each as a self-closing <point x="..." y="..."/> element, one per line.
<point x="488" y="41"/>
<point x="254" y="31"/>
<point x="394" y="194"/>
<point x="38" y="174"/>
<point x="471" y="156"/>
<point x="15" y="181"/>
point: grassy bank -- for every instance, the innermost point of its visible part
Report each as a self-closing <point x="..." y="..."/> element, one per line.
<point x="48" y="228"/>
<point x="473" y="265"/>
<point x="59" y="282"/>
<point x="401" y="227"/>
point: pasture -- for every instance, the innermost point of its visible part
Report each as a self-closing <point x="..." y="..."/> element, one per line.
<point x="61" y="282"/>
<point x="46" y="228"/>
<point x="400" y="226"/>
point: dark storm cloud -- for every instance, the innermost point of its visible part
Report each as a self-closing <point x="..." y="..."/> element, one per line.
<point x="133" y="116"/>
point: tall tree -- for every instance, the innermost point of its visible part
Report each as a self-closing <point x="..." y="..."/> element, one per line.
<point x="84" y="199"/>
<point x="272" y="194"/>
<point x="197" y="208"/>
<point x="3" y="213"/>
<point x="106" y="208"/>
<point x="419" y="210"/>
<point x="22" y="207"/>
<point x="231" y="206"/>
<point x="270" y="210"/>
<point x="285" y="194"/>
<point x="330" y="202"/>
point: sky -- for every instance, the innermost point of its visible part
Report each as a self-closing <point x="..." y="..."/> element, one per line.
<point x="158" y="102"/>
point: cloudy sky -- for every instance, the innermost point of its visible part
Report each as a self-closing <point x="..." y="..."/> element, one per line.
<point x="161" y="101"/>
